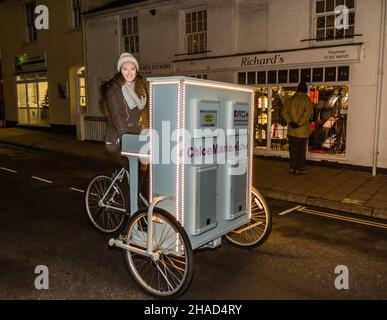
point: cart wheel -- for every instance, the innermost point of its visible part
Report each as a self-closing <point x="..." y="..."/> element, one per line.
<point x="107" y="220"/>
<point x="258" y="229"/>
<point x="168" y="274"/>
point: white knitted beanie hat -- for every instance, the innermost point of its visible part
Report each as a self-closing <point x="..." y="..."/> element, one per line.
<point x="125" y="57"/>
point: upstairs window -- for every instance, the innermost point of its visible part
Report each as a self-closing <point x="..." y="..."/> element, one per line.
<point x="335" y="19"/>
<point x="196" y="31"/>
<point x="129" y="32"/>
<point x="30" y="21"/>
<point x="76" y="12"/>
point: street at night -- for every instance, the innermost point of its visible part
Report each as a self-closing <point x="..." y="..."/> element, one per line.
<point x="158" y="152"/>
<point x="43" y="222"/>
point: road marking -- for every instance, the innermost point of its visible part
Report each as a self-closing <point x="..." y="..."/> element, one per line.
<point x="9" y="170"/>
<point x="343" y="218"/>
<point x="290" y="210"/>
<point x="79" y="190"/>
<point x="41" y="179"/>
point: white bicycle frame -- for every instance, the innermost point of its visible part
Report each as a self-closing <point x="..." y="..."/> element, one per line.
<point x="133" y="179"/>
<point x="119" y="177"/>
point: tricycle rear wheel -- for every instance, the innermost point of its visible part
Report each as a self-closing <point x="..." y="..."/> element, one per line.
<point x="258" y="229"/>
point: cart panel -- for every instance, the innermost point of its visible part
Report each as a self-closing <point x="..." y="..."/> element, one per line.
<point x="211" y="180"/>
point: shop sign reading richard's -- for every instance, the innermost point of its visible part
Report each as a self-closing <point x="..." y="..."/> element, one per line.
<point x="306" y="56"/>
<point x="350" y="53"/>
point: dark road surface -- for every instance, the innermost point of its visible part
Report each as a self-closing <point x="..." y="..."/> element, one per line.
<point x="44" y="223"/>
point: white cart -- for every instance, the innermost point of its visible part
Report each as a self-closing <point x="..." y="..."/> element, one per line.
<point x="200" y="152"/>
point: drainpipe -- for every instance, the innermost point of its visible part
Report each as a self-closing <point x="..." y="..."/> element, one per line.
<point x="379" y="88"/>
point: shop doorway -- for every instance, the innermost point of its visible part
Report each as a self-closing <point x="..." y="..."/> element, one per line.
<point x="33" y="100"/>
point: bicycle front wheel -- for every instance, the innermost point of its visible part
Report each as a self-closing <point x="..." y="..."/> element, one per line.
<point x="169" y="272"/>
<point x="107" y="213"/>
<point x="258" y="229"/>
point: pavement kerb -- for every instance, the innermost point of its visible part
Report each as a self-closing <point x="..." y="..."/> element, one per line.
<point x="325" y="203"/>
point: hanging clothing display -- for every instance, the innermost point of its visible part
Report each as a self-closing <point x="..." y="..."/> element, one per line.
<point x="329" y="121"/>
<point x="279" y="131"/>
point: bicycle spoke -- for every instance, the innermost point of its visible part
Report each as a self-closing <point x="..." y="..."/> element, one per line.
<point x="165" y="275"/>
<point x="104" y="218"/>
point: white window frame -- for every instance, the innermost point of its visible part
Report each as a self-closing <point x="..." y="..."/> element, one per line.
<point x="195" y="30"/>
<point x="130" y="41"/>
<point x="326" y="14"/>
<point x="76" y="13"/>
<point x="29" y="10"/>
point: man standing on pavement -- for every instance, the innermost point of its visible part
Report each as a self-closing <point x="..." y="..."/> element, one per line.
<point x="297" y="112"/>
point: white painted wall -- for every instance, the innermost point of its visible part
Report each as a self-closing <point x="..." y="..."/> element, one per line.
<point x="102" y="54"/>
<point x="221" y="22"/>
<point x="364" y="86"/>
<point x="289" y="22"/>
<point x="382" y="161"/>
<point x="252" y="25"/>
<point x="158" y="34"/>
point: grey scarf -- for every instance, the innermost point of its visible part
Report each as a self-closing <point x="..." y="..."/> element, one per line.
<point x="131" y="98"/>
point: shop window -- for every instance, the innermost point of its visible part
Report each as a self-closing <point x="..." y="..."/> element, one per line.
<point x="283" y="76"/>
<point x="129" y="33"/>
<point x="329" y="120"/>
<point x="305" y="75"/>
<point x="196" y="31"/>
<point x="30" y="21"/>
<point x="326" y="17"/>
<point x="294" y="75"/>
<point x="272" y="76"/>
<point x="343" y="73"/>
<point x="251" y="78"/>
<point x="261" y="77"/>
<point x="242" y="78"/>
<point x="22" y="103"/>
<point x="76" y="13"/>
<point x="318" y="74"/>
<point x="44" y="103"/>
<point x="330" y="74"/>
<point x="278" y="127"/>
<point x="261" y="105"/>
